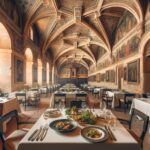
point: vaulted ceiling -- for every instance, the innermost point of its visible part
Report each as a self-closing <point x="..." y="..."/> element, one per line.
<point x="83" y="30"/>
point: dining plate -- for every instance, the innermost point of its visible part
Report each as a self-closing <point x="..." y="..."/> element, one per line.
<point x="63" y="125"/>
<point x="52" y="113"/>
<point x="94" y="134"/>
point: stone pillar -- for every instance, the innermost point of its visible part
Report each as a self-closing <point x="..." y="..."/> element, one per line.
<point x="47" y="76"/>
<point x="6" y="70"/>
<point x="40" y="72"/>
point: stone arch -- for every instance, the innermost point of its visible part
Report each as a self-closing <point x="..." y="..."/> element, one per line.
<point x="5" y="59"/>
<point x="5" y="38"/>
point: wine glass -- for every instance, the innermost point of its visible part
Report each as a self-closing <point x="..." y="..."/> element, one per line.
<point x="84" y="105"/>
<point x="61" y="105"/>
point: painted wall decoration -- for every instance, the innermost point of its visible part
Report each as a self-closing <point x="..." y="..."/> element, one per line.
<point x="35" y="73"/>
<point x="19" y="70"/>
<point x="43" y="75"/>
<point x="102" y="77"/>
<point x="130" y="48"/>
<point x="112" y="75"/>
<point x="134" y="71"/>
<point x="125" y="74"/>
<point x="77" y="71"/>
<point x="127" y="22"/>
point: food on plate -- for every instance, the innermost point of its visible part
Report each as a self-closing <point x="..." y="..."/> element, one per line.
<point x="85" y="117"/>
<point x="63" y="125"/>
<point x="93" y="133"/>
<point x="71" y="111"/>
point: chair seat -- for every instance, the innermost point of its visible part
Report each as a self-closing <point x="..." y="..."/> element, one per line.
<point x="12" y="141"/>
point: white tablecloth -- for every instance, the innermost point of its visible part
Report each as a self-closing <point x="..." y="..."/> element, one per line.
<point x="116" y="96"/>
<point x="142" y="104"/>
<point x="74" y="140"/>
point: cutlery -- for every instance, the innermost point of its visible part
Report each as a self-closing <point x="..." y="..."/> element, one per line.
<point x="39" y="133"/>
<point x="44" y="133"/>
<point x="33" y="134"/>
<point x="36" y="135"/>
<point x="110" y="133"/>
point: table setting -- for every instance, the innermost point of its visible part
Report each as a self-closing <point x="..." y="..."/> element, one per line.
<point x="72" y="127"/>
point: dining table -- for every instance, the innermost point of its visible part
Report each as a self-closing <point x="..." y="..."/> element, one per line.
<point x="141" y="104"/>
<point x="74" y="140"/>
<point x="7" y="105"/>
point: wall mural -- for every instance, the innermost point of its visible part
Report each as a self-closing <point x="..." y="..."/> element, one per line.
<point x="127" y="22"/>
<point x="19" y="70"/>
<point x="125" y="74"/>
<point x="76" y="71"/>
<point x="134" y="71"/>
<point x="131" y="47"/>
<point x="102" y="77"/>
<point x="43" y="75"/>
<point x="35" y="73"/>
<point x="9" y="6"/>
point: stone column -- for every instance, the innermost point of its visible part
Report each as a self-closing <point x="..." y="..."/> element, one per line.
<point x="40" y="72"/>
<point x="29" y="73"/>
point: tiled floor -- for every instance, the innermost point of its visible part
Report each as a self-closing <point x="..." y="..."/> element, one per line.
<point x="32" y="114"/>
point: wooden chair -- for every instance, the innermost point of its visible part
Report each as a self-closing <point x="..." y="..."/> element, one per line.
<point x="59" y="97"/>
<point x="77" y="104"/>
<point x="127" y="100"/>
<point x="12" y="141"/>
<point x="107" y="99"/>
<point x="145" y="119"/>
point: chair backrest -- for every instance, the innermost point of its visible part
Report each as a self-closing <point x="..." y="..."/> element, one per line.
<point x="144" y="117"/>
<point x="77" y="104"/>
<point x="3" y="118"/>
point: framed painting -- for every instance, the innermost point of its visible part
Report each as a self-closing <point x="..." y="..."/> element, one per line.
<point x="19" y="70"/>
<point x="34" y="73"/>
<point x="134" y="71"/>
<point x="43" y="75"/>
<point x="125" y="74"/>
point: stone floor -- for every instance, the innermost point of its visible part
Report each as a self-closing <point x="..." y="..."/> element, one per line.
<point x="33" y="113"/>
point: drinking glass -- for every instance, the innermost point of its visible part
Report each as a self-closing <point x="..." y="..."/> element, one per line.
<point x="84" y="105"/>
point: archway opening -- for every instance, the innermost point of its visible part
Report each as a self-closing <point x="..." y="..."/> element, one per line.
<point x="29" y="66"/>
<point x="5" y="60"/>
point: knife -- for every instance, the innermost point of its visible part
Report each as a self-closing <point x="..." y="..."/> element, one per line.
<point x="44" y="134"/>
<point x="111" y="134"/>
<point x="39" y="134"/>
<point x="36" y="135"/>
<point x="32" y="135"/>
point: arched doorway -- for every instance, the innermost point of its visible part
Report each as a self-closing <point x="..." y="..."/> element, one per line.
<point x="5" y="60"/>
<point x="29" y="66"/>
<point x="146" y="67"/>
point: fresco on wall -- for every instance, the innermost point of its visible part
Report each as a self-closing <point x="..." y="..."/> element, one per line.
<point x="127" y="22"/>
<point x="35" y="75"/>
<point x="102" y="77"/>
<point x="133" y="71"/>
<point x="9" y="6"/>
<point x="125" y="74"/>
<point x="112" y="75"/>
<point x="43" y="75"/>
<point x="126" y="50"/>
<point x="19" y="70"/>
<point x="77" y="71"/>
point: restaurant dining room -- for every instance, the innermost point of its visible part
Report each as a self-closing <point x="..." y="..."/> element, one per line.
<point x="74" y="74"/>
